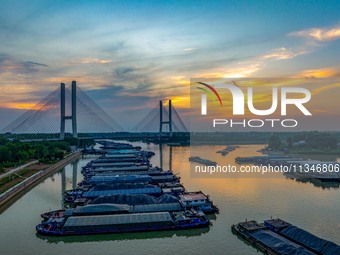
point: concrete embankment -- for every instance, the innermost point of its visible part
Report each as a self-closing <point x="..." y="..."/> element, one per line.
<point x="18" y="190"/>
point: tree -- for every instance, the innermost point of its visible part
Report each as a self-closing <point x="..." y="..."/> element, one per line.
<point x="275" y="142"/>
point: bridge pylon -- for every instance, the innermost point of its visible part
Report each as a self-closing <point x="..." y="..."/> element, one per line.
<point x="73" y="115"/>
<point x="165" y="122"/>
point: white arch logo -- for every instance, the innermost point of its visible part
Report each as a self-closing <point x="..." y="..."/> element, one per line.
<point x="239" y="99"/>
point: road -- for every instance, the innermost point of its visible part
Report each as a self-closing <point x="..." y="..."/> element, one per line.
<point x="14" y="170"/>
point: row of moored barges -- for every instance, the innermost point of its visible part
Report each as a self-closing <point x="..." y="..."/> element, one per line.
<point x="122" y="192"/>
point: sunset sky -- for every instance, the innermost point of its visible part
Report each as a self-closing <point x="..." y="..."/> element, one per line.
<point x="128" y="55"/>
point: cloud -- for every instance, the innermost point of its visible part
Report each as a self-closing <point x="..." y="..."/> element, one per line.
<point x="107" y="91"/>
<point x="320" y="73"/>
<point x="190" y="49"/>
<point x="251" y="66"/>
<point x="334" y="86"/>
<point x="23" y="105"/>
<point x="319" y="34"/>
<point x="124" y="71"/>
<point x="94" y="61"/>
<point x="136" y="80"/>
<point x="37" y="64"/>
<point x="242" y="71"/>
<point x="10" y="64"/>
<point x="282" y="53"/>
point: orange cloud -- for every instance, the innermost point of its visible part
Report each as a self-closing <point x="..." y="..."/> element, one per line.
<point x="180" y="101"/>
<point x="27" y="106"/>
<point x="238" y="72"/>
<point x="326" y="87"/>
<point x="319" y="73"/>
<point x="181" y="80"/>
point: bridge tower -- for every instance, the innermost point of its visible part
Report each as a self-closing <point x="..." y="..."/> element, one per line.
<point x="73" y="116"/>
<point x="161" y="121"/>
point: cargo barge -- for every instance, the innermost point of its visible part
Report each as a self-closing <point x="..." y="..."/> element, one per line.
<point x="151" y="172"/>
<point x="94" y="180"/>
<point x="113" y="189"/>
<point x="279" y="237"/>
<point x="266" y="240"/>
<point x="121" y="223"/>
<point x="107" y="167"/>
<point x="302" y="237"/>
<point x="109" y="209"/>
<point x="187" y="200"/>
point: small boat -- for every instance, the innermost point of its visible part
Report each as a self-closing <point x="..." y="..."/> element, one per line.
<point x="227" y="149"/>
<point x="202" y="161"/>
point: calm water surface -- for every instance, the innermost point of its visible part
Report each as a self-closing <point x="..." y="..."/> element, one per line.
<point x="311" y="206"/>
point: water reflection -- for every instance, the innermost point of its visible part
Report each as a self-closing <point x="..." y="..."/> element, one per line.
<point x="125" y="236"/>
<point x="63" y="187"/>
<point x="316" y="183"/>
<point x="161" y="156"/>
<point x="74" y="174"/>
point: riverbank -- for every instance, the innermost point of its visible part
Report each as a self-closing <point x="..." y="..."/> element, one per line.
<point x="19" y="189"/>
<point x="17" y="169"/>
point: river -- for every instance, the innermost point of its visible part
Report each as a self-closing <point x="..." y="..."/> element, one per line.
<point x="311" y="206"/>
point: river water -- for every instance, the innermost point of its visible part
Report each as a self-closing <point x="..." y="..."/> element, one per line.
<point x="311" y="206"/>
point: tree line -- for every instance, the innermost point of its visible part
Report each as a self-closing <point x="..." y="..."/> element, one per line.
<point x="305" y="140"/>
<point x="13" y="153"/>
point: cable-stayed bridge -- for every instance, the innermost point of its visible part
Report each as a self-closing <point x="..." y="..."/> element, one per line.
<point x="69" y="112"/>
<point x="160" y="119"/>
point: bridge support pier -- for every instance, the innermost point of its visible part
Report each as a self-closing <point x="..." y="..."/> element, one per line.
<point x="74" y="109"/>
<point x="62" y="111"/>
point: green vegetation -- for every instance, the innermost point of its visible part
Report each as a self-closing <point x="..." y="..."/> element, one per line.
<point x="313" y="140"/>
<point x="275" y="143"/>
<point x="13" y="153"/>
<point x="224" y="138"/>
